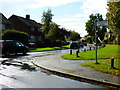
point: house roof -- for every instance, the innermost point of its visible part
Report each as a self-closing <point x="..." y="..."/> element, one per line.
<point x="4" y="19"/>
<point x="28" y="22"/>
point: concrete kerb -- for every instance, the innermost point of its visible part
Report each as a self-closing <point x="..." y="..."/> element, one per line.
<point x="77" y="77"/>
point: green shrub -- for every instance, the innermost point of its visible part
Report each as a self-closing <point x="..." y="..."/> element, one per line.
<point x="15" y="35"/>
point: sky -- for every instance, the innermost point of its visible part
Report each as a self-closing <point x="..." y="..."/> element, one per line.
<point x="69" y="14"/>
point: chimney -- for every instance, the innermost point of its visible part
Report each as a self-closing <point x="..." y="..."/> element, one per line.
<point x="28" y="17"/>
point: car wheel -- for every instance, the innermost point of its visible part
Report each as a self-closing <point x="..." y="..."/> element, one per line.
<point x="16" y="54"/>
<point x="7" y="53"/>
<point x="25" y="52"/>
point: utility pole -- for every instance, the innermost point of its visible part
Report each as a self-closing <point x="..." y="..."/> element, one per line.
<point x="98" y="23"/>
<point x="95" y="27"/>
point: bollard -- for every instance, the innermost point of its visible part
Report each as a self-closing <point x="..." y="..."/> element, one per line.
<point x="84" y="50"/>
<point x="70" y="51"/>
<point x="90" y="48"/>
<point x="77" y="53"/>
<point x="112" y="63"/>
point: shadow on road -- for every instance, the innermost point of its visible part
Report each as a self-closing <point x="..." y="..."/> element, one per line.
<point x="14" y="56"/>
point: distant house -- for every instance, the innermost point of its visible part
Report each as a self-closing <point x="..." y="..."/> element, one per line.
<point x="27" y="25"/>
<point x="4" y="22"/>
<point x="110" y="36"/>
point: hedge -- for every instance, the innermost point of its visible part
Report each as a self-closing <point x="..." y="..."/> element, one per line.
<point x="15" y="35"/>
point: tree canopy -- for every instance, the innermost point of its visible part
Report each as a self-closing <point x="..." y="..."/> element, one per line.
<point x="15" y="35"/>
<point x="74" y="36"/>
<point x="90" y="26"/>
<point x="47" y="17"/>
<point x="113" y="16"/>
<point x="53" y="32"/>
<point x="46" y="22"/>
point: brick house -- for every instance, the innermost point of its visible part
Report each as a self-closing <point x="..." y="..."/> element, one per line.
<point x="31" y="27"/>
<point x="4" y="22"/>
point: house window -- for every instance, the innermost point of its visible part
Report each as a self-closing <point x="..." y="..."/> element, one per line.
<point x="3" y="26"/>
<point x="0" y="26"/>
<point x="39" y="38"/>
<point x="39" y="30"/>
<point x="33" y="39"/>
<point x="32" y="29"/>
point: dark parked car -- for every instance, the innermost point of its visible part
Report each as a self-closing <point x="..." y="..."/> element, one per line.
<point x="76" y="45"/>
<point x="12" y="47"/>
<point x="84" y="42"/>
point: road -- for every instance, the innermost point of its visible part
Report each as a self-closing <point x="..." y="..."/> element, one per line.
<point x="13" y="74"/>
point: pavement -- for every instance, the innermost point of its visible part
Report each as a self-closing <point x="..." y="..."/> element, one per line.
<point x="54" y="63"/>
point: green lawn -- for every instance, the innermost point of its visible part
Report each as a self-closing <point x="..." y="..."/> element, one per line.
<point x="47" y="48"/>
<point x="103" y="53"/>
<point x="104" y="66"/>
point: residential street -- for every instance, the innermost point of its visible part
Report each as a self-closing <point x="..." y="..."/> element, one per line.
<point x="12" y="76"/>
<point x="59" y="44"/>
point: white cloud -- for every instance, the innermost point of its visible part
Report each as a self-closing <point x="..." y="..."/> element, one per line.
<point x="67" y="19"/>
<point x="92" y="6"/>
<point x="38" y="3"/>
<point x="77" y="22"/>
<point x="52" y="3"/>
<point x="15" y="1"/>
<point x="74" y="22"/>
<point x="75" y="26"/>
<point x="74" y="18"/>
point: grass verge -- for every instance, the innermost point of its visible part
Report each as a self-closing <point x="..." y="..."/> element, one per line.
<point x="104" y="66"/>
<point x="47" y="48"/>
<point x="103" y="53"/>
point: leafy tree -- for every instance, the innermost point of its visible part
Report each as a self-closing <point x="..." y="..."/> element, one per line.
<point x="74" y="36"/>
<point x="90" y="25"/>
<point x="64" y="34"/>
<point x="47" y="17"/>
<point x="56" y="33"/>
<point x="113" y="16"/>
<point x="15" y="35"/>
<point x="51" y="30"/>
<point x="53" y="33"/>
<point x="46" y="21"/>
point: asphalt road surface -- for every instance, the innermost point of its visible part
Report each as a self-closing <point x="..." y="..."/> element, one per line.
<point x="13" y="74"/>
